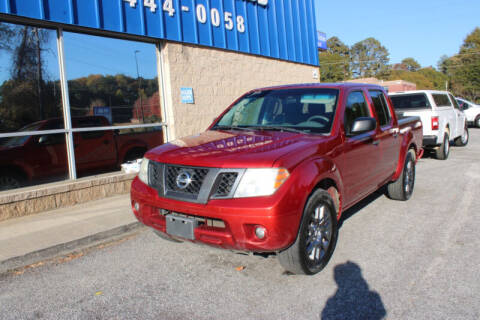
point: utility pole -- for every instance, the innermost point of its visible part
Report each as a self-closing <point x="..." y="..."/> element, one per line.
<point x="39" y="73"/>
<point x="139" y="81"/>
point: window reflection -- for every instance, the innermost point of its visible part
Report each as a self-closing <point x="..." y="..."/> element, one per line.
<point x="27" y="160"/>
<point x="29" y="76"/>
<point x="116" y="79"/>
<point x="105" y="151"/>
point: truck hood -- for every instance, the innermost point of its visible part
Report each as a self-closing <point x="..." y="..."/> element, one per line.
<point x="232" y="149"/>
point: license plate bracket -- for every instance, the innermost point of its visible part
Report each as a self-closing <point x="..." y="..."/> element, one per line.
<point x="182" y="227"/>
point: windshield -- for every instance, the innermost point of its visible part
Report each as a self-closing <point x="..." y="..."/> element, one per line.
<point x="20" y="140"/>
<point x="306" y="110"/>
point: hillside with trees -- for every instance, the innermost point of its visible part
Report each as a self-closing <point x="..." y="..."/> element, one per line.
<point x="369" y="58"/>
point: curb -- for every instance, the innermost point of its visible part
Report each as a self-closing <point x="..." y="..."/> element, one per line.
<point x="65" y="248"/>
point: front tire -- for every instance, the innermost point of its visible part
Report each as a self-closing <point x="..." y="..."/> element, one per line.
<point x="462" y="141"/>
<point x="402" y="188"/>
<point x="316" y="239"/>
<point x="477" y="121"/>
<point x="442" y="152"/>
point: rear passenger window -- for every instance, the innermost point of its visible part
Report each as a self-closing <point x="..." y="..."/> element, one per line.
<point x="356" y="107"/>
<point x="441" y="100"/>
<point x="410" y="101"/>
<point x="381" y="107"/>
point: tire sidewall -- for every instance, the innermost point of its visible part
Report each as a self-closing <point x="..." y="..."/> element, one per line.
<point x="446" y="147"/>
<point x="477" y="121"/>
<point x="320" y="196"/>
<point x="409" y="158"/>
<point x="467" y="137"/>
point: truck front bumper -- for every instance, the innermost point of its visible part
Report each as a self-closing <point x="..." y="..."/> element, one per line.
<point x="228" y="223"/>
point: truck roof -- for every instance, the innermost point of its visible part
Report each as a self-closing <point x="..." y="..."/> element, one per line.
<point x="340" y="85"/>
<point x="417" y="91"/>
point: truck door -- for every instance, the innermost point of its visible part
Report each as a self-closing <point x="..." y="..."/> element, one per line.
<point x="361" y="153"/>
<point x="460" y="116"/>
<point x="387" y="133"/>
<point x="94" y="150"/>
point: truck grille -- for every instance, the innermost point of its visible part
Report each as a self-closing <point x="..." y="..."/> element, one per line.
<point x="225" y="182"/>
<point x="192" y="184"/>
<point x="195" y="179"/>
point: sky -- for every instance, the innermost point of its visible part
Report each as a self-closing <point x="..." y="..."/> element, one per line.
<point x="422" y="29"/>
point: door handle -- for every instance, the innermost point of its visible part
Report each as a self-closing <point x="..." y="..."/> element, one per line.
<point x="106" y="142"/>
<point x="376" y="142"/>
<point x="395" y="132"/>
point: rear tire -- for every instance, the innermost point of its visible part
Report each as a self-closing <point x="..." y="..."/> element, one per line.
<point x="134" y="154"/>
<point x="462" y="141"/>
<point x="402" y="188"/>
<point x="442" y="152"/>
<point x="316" y="239"/>
<point x="11" y="180"/>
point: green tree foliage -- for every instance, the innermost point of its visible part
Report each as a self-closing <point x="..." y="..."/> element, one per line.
<point x="411" y="64"/>
<point x="463" y="69"/>
<point x="426" y="78"/>
<point x="369" y="58"/>
<point x="335" y="62"/>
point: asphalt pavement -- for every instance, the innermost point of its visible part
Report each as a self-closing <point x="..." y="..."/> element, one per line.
<point x="397" y="260"/>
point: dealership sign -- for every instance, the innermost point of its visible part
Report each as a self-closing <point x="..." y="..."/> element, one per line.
<point x="274" y="28"/>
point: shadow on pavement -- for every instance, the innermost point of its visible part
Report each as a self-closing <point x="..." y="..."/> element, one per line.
<point x="362" y="204"/>
<point x="353" y="299"/>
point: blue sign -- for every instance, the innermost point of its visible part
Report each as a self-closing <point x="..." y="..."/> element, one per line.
<point x="274" y="28"/>
<point x="103" y="111"/>
<point x="186" y="95"/>
<point x="322" y="40"/>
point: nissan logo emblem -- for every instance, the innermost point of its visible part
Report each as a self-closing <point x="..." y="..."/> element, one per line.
<point x="184" y="179"/>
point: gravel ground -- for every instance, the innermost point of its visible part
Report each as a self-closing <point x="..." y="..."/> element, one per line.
<point x="397" y="260"/>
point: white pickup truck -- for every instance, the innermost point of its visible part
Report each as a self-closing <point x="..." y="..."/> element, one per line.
<point x="443" y="120"/>
<point x="471" y="110"/>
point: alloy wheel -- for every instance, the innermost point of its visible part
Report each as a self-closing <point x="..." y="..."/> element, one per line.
<point x="319" y="234"/>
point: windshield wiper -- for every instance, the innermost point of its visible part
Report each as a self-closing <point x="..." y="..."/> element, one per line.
<point x="230" y="128"/>
<point x="277" y="128"/>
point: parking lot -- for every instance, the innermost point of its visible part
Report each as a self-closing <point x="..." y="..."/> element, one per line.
<point x="398" y="260"/>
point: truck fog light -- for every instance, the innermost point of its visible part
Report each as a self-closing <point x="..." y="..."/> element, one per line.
<point x="260" y="232"/>
<point x="136" y="206"/>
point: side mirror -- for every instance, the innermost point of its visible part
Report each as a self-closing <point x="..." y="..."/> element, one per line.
<point x="43" y="140"/>
<point x="362" y="125"/>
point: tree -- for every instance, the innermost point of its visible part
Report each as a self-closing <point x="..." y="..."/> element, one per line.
<point x="335" y="62"/>
<point x="463" y="69"/>
<point x="411" y="64"/>
<point x="369" y="58"/>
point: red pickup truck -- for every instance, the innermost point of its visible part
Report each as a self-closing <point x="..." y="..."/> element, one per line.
<point x="42" y="158"/>
<point x="275" y="171"/>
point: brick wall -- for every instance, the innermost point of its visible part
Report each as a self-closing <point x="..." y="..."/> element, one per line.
<point x="218" y="77"/>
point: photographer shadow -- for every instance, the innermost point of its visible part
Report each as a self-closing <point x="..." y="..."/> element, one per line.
<point x="353" y="298"/>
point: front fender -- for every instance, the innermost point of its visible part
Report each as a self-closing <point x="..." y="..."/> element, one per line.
<point x="312" y="172"/>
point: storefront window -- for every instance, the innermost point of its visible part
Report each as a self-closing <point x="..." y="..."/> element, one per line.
<point x="29" y="78"/>
<point x="116" y="79"/>
<point x="30" y="100"/>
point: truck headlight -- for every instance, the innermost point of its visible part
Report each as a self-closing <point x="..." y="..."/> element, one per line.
<point x="261" y="182"/>
<point x="143" y="173"/>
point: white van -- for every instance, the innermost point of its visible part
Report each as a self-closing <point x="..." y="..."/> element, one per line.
<point x="443" y="120"/>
